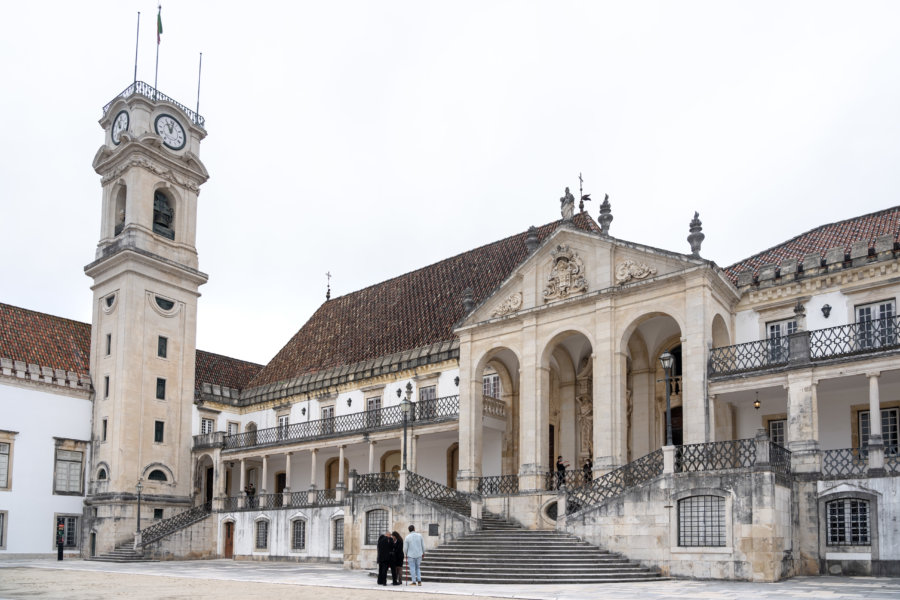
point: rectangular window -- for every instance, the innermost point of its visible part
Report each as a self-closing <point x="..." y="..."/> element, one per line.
<point x="233" y="428"/>
<point x="106" y="386"/>
<point x="373" y="414"/>
<point x="427" y="407"/>
<point x="157" y="514"/>
<point x="67" y="531"/>
<point x="778" y="335"/>
<point x="283" y="422"/>
<point x="108" y="344"/>
<point x="206" y="426"/>
<point x="298" y="534"/>
<point x="68" y="472"/>
<point x="4" y="464"/>
<point x="3" y="530"/>
<point x="847" y="521"/>
<point x="162" y="347"/>
<point x="890" y="432"/>
<point x="327" y="419"/>
<point x="160" y="388"/>
<point x="103" y="430"/>
<point x="701" y="521"/>
<point x="376" y="524"/>
<point x="338" y="534"/>
<point x="778" y="431"/>
<point x="876" y="324"/>
<point x="491" y="385"/>
<point x="262" y="534"/>
<point x="159" y="428"/>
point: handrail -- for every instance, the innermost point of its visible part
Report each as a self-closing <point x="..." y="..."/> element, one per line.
<point x="159" y="530"/>
<point x="148" y="91"/>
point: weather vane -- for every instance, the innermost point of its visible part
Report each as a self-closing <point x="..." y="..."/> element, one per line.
<point x="328" y="291"/>
<point x="584" y="197"/>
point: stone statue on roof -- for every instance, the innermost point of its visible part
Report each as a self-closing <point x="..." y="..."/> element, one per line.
<point x="567" y="205"/>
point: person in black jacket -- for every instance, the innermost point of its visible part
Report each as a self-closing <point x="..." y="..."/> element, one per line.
<point x="397" y="563"/>
<point x="385" y="556"/>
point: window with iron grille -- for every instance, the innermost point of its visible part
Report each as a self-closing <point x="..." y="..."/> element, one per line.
<point x="298" y="534"/>
<point x="68" y="471"/>
<point x="376" y="524"/>
<point x="490" y="385"/>
<point x="847" y="522"/>
<point x="701" y="521"/>
<point x="206" y="426"/>
<point x="778" y="431"/>
<point x="69" y="531"/>
<point x="262" y="534"/>
<point x="338" y="534"/>
<point x="875" y="323"/>
<point x="778" y="333"/>
<point x="890" y="429"/>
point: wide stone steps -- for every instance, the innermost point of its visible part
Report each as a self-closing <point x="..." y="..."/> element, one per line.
<point x="512" y="555"/>
<point x="123" y="553"/>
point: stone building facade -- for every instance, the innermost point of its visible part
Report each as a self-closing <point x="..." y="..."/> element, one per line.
<point x="768" y="448"/>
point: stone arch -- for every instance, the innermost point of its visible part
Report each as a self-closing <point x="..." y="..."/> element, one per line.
<point x="166" y="205"/>
<point x="158" y="467"/>
<point x="102" y="472"/>
<point x="452" y="464"/>
<point x="204" y="477"/>
<point x="391" y="461"/>
<point x="331" y="472"/>
<point x="120" y="201"/>
<point x="720" y="334"/>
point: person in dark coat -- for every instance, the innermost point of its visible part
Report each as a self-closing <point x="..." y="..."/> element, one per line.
<point x="385" y="556"/>
<point x="560" y="472"/>
<point x="397" y="563"/>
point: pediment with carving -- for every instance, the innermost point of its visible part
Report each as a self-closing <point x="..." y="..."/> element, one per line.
<point x="567" y="277"/>
<point x="631" y="270"/>
<point x="511" y="304"/>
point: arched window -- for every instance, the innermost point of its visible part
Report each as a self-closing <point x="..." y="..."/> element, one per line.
<point x="701" y="521"/>
<point x="298" y="534"/>
<point x="120" y="209"/>
<point x="848" y="522"/>
<point x="376" y="524"/>
<point x="163" y="216"/>
<point x="157" y="475"/>
<point x="101" y="474"/>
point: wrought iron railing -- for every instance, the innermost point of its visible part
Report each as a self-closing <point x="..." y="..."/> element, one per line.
<point x="390" y="417"/>
<point x="892" y="463"/>
<point x="615" y="482"/>
<point x="159" y="530"/>
<point x="749" y="356"/>
<point x="779" y="459"/>
<point x="715" y="456"/>
<point x="844" y="462"/>
<point x="148" y="91"/>
<point x="493" y="407"/>
<point x="371" y="483"/>
<point x="277" y="501"/>
<point x="572" y="478"/>
<point x="498" y="485"/>
<point x="231" y="503"/>
<point x="436" y="492"/>
<point x="856" y="338"/>
<point x="326" y="497"/>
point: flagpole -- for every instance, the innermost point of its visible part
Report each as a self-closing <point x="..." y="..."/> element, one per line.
<point x="158" y="32"/>
<point x="137" y="37"/>
<point x="199" y="71"/>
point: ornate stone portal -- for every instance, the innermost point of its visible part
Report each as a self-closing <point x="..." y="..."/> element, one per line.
<point x="566" y="275"/>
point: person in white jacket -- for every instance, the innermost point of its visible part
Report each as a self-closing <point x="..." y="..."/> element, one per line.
<point x="414" y="549"/>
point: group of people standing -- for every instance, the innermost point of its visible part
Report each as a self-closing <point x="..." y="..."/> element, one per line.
<point x="391" y="550"/>
<point x="561" y="465"/>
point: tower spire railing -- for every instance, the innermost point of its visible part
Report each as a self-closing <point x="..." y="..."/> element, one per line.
<point x="148" y="91"/>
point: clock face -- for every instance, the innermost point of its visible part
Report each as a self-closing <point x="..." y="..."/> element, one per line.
<point x="171" y="132"/>
<point x="119" y="125"/>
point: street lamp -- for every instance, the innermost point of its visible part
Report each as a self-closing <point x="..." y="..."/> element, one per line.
<point x="140" y="486"/>
<point x="405" y="406"/>
<point x="667" y="361"/>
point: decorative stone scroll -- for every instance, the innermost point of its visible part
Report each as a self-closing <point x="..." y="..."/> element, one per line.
<point x="566" y="274"/>
<point x="629" y="269"/>
<point x="510" y="305"/>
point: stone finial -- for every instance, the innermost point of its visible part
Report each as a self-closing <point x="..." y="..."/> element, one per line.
<point x="605" y="216"/>
<point x="696" y="236"/>
<point x="531" y="239"/>
<point x="468" y="300"/>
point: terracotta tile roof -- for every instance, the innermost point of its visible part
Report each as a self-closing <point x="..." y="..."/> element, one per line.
<point x="224" y="371"/>
<point x="822" y="238"/>
<point x="58" y="343"/>
<point x="44" y="340"/>
<point x="411" y="311"/>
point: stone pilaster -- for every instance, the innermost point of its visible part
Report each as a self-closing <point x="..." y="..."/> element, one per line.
<point x="803" y="423"/>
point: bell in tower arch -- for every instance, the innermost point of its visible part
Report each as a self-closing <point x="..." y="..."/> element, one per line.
<point x="163" y="215"/>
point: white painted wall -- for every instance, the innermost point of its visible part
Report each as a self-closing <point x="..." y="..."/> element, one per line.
<point x="39" y="415"/>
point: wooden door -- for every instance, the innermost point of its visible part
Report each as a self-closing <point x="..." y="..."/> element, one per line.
<point x="229" y="540"/>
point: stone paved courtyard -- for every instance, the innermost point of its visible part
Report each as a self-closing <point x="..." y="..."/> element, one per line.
<point x="82" y="580"/>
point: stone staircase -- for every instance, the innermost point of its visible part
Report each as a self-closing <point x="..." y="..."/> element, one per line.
<point x="503" y="553"/>
<point x="123" y="553"/>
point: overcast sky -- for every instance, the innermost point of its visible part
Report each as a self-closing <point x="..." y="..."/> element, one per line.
<point x="369" y="139"/>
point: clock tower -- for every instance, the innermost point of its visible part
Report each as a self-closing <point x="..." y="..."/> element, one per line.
<point x="143" y="339"/>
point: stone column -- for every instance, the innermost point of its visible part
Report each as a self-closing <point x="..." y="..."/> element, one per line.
<point x="876" y="441"/>
<point x="265" y="475"/>
<point x="287" y="478"/>
<point x="604" y="367"/>
<point x="371" y="456"/>
<point x="242" y="497"/>
<point x="340" y="487"/>
<point x="219" y="496"/>
<point x="534" y="411"/>
<point x="803" y="423"/>
<point x="413" y="452"/>
<point x="694" y="361"/>
<point x="313" y="454"/>
<point x="470" y="419"/>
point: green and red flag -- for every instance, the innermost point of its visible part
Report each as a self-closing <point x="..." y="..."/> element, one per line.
<point x="159" y="25"/>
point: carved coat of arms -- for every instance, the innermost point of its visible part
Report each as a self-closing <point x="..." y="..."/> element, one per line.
<point x="510" y="305"/>
<point x="566" y="274"/>
<point x="629" y="269"/>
